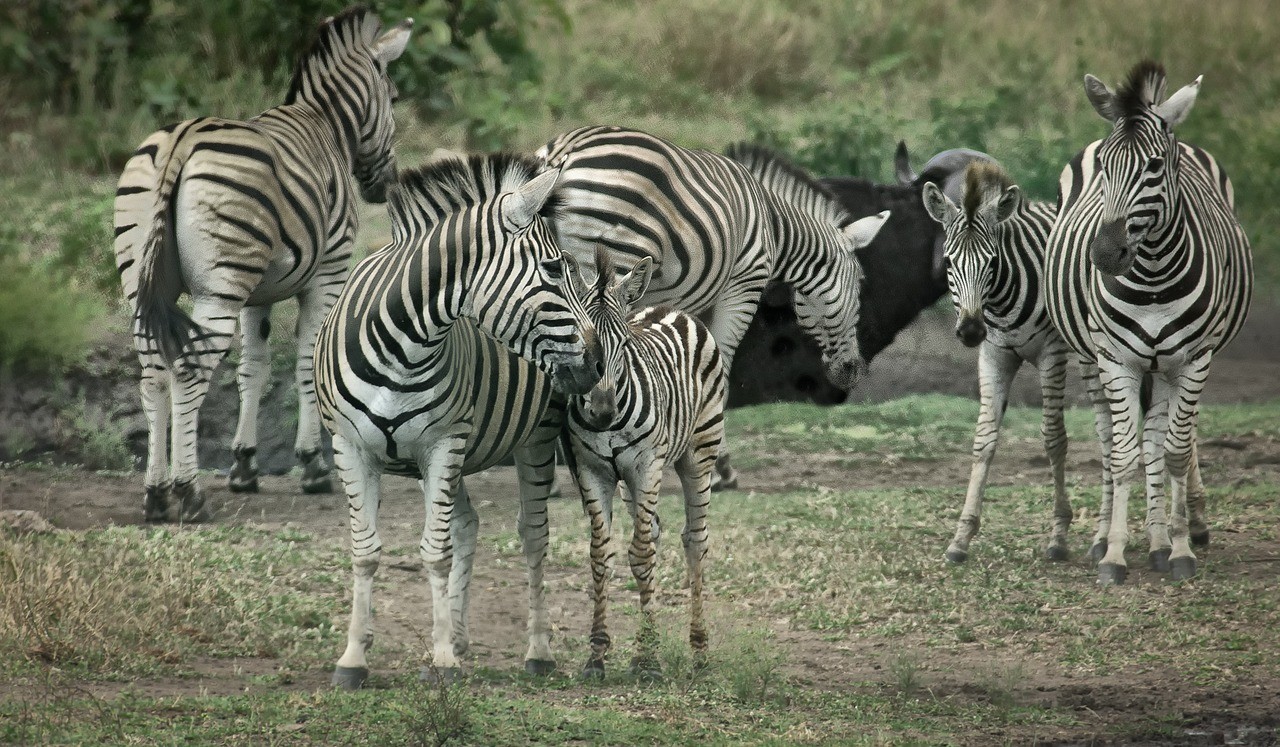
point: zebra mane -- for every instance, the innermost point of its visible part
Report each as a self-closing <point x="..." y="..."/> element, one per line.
<point x="983" y="179"/>
<point x="1143" y="89"/>
<point x="789" y="181"/>
<point x="425" y="195"/>
<point x="604" y="273"/>
<point x="335" y="36"/>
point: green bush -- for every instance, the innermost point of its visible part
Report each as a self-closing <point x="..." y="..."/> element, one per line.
<point x="44" y="319"/>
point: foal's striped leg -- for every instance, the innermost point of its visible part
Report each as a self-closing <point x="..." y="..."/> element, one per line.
<point x="1053" y="381"/>
<point x="996" y="369"/>
<point x="598" y="487"/>
<point x="695" y="478"/>
<point x="643" y="493"/>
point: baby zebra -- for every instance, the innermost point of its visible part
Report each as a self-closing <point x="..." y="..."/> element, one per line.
<point x="660" y="403"/>
<point x="994" y="257"/>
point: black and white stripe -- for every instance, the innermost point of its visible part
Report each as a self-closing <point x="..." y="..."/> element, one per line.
<point x="659" y="404"/>
<point x="717" y="228"/>
<point x="1148" y="273"/>
<point x="241" y="215"/>
<point x="438" y="361"/>
<point x="993" y="251"/>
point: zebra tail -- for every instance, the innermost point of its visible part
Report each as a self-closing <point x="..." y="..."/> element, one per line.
<point x="566" y="452"/>
<point x="158" y="316"/>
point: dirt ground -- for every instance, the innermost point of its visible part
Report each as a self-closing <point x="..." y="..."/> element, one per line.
<point x="1249" y="715"/>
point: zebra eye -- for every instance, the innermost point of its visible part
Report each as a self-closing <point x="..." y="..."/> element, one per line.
<point x="554" y="269"/>
<point x="1155" y="164"/>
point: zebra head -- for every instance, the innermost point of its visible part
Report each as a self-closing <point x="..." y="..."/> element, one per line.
<point x="527" y="296"/>
<point x="1137" y="163"/>
<point x="970" y="241"/>
<point x="344" y="76"/>
<point x="827" y="302"/>
<point x="608" y="300"/>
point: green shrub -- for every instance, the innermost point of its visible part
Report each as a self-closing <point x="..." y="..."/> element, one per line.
<point x="44" y="319"/>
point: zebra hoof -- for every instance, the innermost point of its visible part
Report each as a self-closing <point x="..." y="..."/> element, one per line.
<point x="318" y="486"/>
<point x="1056" y="553"/>
<point x="593" y="671"/>
<point x="539" y="667"/>
<point x="244" y="473"/>
<point x="440" y="675"/>
<point x="1112" y="574"/>
<point x="1200" y="539"/>
<point x="1182" y="568"/>
<point x="1098" y="551"/>
<point x="315" y="473"/>
<point x="956" y="556"/>
<point x="721" y="484"/>
<point x="155" y="507"/>
<point x="349" y="678"/>
<point x="1160" y="560"/>
<point x="238" y="484"/>
<point x="645" y="670"/>
<point x="192" y="508"/>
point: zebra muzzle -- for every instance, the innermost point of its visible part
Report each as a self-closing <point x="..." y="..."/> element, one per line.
<point x="971" y="330"/>
<point x="1109" y="251"/>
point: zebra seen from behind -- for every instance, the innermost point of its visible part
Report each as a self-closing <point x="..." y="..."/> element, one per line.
<point x="1149" y="273"/>
<point x="436" y="362"/>
<point x="659" y="404"/>
<point x="717" y="229"/>
<point x="241" y="215"/>
<point x="993" y="254"/>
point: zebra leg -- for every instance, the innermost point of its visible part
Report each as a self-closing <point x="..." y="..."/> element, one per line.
<point x="442" y="470"/>
<point x="313" y="306"/>
<point x="1123" y="391"/>
<point x="996" y="369"/>
<point x="728" y="322"/>
<point x="217" y="322"/>
<point x="1102" y="425"/>
<point x="1196" y="497"/>
<point x="1180" y="454"/>
<point x="1053" y="381"/>
<point x="598" y="482"/>
<point x="155" y="388"/>
<point x="1154" y="427"/>
<point x="643" y="489"/>
<point x="535" y="468"/>
<point x="362" y="487"/>
<point x="252" y="374"/>
<point x="695" y="479"/>
<point x="463" y="530"/>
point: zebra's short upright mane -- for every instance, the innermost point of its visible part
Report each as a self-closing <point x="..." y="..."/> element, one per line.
<point x="789" y="181"/>
<point x="333" y="37"/>
<point x="1143" y="89"/>
<point x="981" y="179"/>
<point x="424" y="195"/>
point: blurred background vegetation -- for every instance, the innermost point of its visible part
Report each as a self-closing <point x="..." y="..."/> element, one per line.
<point x="835" y="84"/>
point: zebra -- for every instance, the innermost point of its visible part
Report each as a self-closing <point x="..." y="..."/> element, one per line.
<point x="993" y="254"/>
<point x="431" y="365"/>
<point x="660" y="404"/>
<point x="1148" y="273"/>
<point x="241" y="215"/>
<point x="717" y="229"/>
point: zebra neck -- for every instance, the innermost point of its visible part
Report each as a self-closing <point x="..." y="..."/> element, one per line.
<point x="799" y="237"/>
<point x="336" y="118"/>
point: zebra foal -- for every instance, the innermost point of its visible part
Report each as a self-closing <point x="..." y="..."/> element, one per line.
<point x="437" y="362"/>
<point x="1149" y="273"/>
<point x="993" y="254"/>
<point x="241" y="215"/>
<point x="659" y="404"/>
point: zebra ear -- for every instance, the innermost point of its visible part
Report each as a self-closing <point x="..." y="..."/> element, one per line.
<point x="937" y="205"/>
<point x="863" y="231"/>
<point x="635" y="283"/>
<point x="1102" y="98"/>
<point x="391" y="45"/>
<point x="1007" y="203"/>
<point x="525" y="202"/>
<point x="1178" y="106"/>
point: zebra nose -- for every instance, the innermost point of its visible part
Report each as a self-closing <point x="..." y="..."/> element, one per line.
<point x="971" y="330"/>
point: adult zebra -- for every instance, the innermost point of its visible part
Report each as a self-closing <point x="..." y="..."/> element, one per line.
<point x="1149" y="273"/>
<point x="993" y="252"/>
<point x="241" y="215"/>
<point x="660" y="404"/>
<point x="717" y="228"/>
<point x="416" y="376"/>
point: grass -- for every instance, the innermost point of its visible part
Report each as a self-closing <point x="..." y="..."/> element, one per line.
<point x="832" y="617"/>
